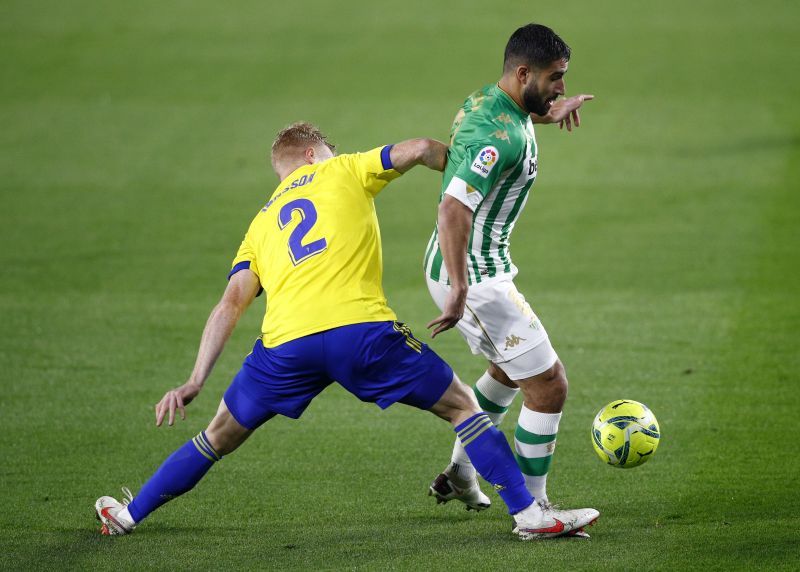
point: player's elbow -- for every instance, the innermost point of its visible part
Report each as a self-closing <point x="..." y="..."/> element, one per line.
<point x="230" y="308"/>
<point x="431" y="153"/>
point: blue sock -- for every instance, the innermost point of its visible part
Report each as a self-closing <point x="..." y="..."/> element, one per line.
<point x="492" y="458"/>
<point x="178" y="474"/>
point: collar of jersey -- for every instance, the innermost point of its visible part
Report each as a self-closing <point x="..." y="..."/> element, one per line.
<point x="295" y="172"/>
<point x="511" y="103"/>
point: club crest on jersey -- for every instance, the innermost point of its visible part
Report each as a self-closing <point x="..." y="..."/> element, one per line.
<point x="485" y="161"/>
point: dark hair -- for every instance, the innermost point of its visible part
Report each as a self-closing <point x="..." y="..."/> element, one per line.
<point x="300" y="134"/>
<point x="534" y="45"/>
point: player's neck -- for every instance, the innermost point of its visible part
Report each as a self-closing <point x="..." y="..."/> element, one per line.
<point x="290" y="167"/>
<point x="506" y="84"/>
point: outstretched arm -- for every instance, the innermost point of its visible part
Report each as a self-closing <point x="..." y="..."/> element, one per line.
<point x="428" y="152"/>
<point x="564" y="112"/>
<point x="241" y="290"/>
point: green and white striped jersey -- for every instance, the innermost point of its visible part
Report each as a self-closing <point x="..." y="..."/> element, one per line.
<point x="493" y="150"/>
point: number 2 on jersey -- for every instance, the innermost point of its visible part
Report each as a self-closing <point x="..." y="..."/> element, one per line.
<point x="298" y="251"/>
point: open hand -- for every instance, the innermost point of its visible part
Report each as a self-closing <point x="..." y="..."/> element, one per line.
<point x="565" y="111"/>
<point x="175" y="399"/>
<point x="452" y="313"/>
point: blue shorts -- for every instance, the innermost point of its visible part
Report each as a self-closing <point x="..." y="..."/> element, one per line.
<point x="378" y="362"/>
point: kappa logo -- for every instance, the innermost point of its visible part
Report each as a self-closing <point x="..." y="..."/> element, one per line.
<point x="485" y="161"/>
<point x="512" y="341"/>
<point x="501" y="134"/>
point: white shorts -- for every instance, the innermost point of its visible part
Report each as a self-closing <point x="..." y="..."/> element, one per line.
<point x="499" y="324"/>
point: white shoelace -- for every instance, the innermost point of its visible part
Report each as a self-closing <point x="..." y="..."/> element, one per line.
<point x="128" y="496"/>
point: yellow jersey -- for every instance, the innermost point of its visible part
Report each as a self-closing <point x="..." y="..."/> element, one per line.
<point x="316" y="247"/>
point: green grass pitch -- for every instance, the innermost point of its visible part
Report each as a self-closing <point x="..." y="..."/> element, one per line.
<point x="660" y="249"/>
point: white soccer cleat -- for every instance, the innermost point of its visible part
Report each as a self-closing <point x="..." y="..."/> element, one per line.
<point x="107" y="510"/>
<point x="539" y="522"/>
<point x="444" y="490"/>
<point x="576" y="533"/>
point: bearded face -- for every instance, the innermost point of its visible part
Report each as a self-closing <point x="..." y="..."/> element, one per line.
<point x="534" y="101"/>
<point x="544" y="87"/>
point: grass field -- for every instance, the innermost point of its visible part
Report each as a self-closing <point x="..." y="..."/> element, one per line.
<point x="660" y="249"/>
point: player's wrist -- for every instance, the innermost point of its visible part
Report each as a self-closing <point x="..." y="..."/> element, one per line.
<point x="459" y="289"/>
<point x="541" y="119"/>
<point x="194" y="385"/>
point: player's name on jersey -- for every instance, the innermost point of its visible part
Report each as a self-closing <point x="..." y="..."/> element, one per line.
<point x="299" y="182"/>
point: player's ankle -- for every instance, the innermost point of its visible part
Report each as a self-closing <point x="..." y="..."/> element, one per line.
<point x="532" y="512"/>
<point x="462" y="476"/>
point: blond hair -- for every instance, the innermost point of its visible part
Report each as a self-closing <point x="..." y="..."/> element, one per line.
<point x="299" y="135"/>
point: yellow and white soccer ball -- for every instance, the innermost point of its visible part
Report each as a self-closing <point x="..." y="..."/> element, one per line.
<point x="625" y="433"/>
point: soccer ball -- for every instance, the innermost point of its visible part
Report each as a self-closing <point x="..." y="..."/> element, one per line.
<point x="625" y="434"/>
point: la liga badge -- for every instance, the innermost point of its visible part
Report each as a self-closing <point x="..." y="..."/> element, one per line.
<point x="485" y="161"/>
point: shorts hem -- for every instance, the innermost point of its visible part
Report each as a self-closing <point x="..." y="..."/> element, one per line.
<point x="527" y="374"/>
<point x="266" y="411"/>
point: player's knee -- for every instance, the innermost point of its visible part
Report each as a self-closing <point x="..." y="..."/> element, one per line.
<point x="224" y="433"/>
<point x="225" y="443"/>
<point x="457" y="404"/>
<point x="550" y="386"/>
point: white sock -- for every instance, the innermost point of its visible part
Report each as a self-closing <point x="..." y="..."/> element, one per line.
<point x="534" y="442"/>
<point x="495" y="399"/>
<point x="533" y="513"/>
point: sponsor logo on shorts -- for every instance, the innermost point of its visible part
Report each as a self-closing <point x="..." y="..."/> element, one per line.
<point x="485" y="161"/>
<point x="512" y="341"/>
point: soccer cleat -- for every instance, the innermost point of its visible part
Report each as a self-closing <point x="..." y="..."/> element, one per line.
<point x="535" y="523"/>
<point x="107" y="510"/>
<point x="546" y="505"/>
<point x="444" y="490"/>
<point x="577" y="533"/>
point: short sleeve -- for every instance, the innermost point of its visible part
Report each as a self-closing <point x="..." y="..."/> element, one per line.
<point x="245" y="259"/>
<point x="483" y="164"/>
<point x="374" y="168"/>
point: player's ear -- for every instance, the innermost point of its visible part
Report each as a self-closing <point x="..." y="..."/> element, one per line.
<point x="310" y="155"/>
<point x="523" y="74"/>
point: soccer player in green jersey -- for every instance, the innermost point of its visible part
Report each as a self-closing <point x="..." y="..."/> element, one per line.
<point x="492" y="163"/>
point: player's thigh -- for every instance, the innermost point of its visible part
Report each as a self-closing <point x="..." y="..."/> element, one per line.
<point x="539" y="361"/>
<point x="281" y="380"/>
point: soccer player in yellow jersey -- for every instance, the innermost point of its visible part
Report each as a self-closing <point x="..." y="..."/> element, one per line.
<point x="314" y="249"/>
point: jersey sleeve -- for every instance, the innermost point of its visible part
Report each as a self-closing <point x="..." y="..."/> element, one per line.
<point x="373" y="169"/>
<point x="484" y="161"/>
<point x="246" y="256"/>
